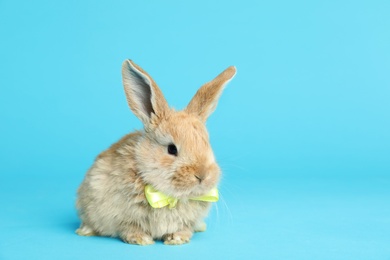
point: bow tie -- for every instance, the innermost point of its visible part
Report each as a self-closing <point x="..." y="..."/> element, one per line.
<point x="158" y="199"/>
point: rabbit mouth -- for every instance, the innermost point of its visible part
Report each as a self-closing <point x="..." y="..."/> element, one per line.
<point x="200" y="191"/>
<point x="193" y="187"/>
<point x="190" y="181"/>
<point x="190" y="193"/>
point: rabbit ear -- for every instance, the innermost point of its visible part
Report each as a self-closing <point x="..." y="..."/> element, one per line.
<point x="142" y="93"/>
<point x="205" y="100"/>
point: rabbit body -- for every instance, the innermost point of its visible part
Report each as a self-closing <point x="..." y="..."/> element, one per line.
<point x="112" y="202"/>
<point x="111" y="199"/>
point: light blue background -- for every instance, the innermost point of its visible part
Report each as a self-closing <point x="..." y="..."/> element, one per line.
<point x="302" y="132"/>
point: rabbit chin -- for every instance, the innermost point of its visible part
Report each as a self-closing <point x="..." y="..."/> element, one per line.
<point x="193" y="189"/>
<point x="183" y="189"/>
<point x="189" y="192"/>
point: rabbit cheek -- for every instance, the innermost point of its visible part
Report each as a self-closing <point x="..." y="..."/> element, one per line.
<point x="166" y="161"/>
<point x="212" y="177"/>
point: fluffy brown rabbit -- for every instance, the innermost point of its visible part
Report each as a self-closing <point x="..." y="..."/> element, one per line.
<point x="172" y="154"/>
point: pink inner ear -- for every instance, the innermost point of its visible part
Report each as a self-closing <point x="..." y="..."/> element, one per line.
<point x="143" y="95"/>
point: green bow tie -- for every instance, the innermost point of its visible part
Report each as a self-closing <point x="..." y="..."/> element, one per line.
<point x="157" y="199"/>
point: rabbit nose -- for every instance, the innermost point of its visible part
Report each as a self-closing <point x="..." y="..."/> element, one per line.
<point x="199" y="177"/>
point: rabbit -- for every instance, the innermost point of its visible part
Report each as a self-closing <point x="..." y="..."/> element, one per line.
<point x="172" y="154"/>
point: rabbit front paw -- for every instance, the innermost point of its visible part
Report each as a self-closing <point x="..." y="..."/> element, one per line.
<point x="138" y="238"/>
<point x="177" y="238"/>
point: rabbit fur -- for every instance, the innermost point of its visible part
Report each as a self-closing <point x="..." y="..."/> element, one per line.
<point x="111" y="199"/>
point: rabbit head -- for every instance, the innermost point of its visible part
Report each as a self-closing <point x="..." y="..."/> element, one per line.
<point x="174" y="154"/>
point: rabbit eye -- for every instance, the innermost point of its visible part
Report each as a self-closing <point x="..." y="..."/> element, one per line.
<point x="172" y="149"/>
